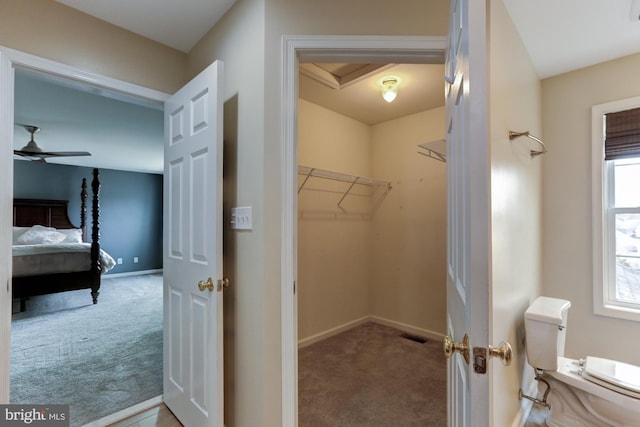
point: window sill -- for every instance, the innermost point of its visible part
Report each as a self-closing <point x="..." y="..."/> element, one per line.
<point x="617" y="311"/>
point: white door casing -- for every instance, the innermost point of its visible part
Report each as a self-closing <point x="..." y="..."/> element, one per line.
<point x="305" y="48"/>
<point x="468" y="225"/>
<point x="193" y="346"/>
<point x="10" y="60"/>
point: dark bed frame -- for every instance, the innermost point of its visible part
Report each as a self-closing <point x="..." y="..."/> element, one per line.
<point x="53" y="213"/>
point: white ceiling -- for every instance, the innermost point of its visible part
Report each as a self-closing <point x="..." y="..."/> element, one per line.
<point x="566" y="35"/>
<point x="118" y="134"/>
<point x="420" y="88"/>
<point x="560" y="36"/>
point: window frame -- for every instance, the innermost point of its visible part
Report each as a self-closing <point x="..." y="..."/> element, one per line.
<point x="603" y="216"/>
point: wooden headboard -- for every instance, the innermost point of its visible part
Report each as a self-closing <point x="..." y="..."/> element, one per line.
<point x="54" y="213"/>
<point x="50" y="213"/>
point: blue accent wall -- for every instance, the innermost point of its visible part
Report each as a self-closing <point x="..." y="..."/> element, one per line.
<point x="130" y="207"/>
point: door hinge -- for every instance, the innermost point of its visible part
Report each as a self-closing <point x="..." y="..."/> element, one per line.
<point x="294" y="287"/>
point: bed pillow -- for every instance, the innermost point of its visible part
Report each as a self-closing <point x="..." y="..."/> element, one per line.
<point x="17" y="232"/>
<point x="72" y="235"/>
<point x="38" y="235"/>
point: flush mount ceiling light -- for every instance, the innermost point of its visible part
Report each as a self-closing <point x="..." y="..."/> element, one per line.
<point x="389" y="88"/>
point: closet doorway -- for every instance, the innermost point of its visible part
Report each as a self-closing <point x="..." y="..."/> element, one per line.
<point x="372" y="220"/>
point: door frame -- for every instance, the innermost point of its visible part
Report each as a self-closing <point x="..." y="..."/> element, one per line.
<point x="295" y="49"/>
<point x="10" y="60"/>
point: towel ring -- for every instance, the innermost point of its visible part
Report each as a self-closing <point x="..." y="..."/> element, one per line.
<point x="534" y="153"/>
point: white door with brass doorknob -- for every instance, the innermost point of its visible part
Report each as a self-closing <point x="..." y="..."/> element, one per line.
<point x="193" y="350"/>
<point x="468" y="222"/>
<point x="209" y="285"/>
<point x="479" y="355"/>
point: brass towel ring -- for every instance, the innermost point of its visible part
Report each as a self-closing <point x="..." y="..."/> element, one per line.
<point x="534" y="153"/>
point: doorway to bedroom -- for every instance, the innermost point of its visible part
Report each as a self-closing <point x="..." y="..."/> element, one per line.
<point x="112" y="351"/>
<point x="371" y="234"/>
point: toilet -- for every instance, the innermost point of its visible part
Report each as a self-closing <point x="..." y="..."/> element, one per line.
<point x="592" y="392"/>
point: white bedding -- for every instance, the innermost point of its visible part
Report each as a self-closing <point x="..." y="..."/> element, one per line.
<point x="56" y="258"/>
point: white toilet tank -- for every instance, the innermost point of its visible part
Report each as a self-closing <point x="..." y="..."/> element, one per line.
<point x="545" y="323"/>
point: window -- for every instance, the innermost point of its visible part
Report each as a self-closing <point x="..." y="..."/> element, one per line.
<point x="616" y="208"/>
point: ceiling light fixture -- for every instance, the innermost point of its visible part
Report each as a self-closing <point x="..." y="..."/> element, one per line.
<point x="389" y="88"/>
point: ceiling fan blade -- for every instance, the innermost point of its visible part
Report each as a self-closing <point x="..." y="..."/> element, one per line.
<point x="35" y="153"/>
<point x="45" y="154"/>
<point x="63" y="153"/>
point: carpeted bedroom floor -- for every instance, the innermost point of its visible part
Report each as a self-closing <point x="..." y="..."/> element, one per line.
<point x="100" y="358"/>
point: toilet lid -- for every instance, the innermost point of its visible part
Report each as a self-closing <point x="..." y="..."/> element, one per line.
<point x="617" y="376"/>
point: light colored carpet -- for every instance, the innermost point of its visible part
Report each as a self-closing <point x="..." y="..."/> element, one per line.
<point x="100" y="358"/>
<point x="370" y="376"/>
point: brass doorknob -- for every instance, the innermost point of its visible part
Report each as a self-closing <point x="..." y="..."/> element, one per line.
<point x="503" y="352"/>
<point x="450" y="347"/>
<point x="203" y="286"/>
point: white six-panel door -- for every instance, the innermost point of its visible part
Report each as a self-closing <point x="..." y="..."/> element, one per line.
<point x="193" y="364"/>
<point x="468" y="241"/>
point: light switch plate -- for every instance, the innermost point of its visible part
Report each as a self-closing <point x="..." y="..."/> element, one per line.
<point x="241" y="218"/>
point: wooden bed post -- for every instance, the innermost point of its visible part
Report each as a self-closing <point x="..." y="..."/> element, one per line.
<point x="54" y="213"/>
<point x="96" y="266"/>
<point x="83" y="210"/>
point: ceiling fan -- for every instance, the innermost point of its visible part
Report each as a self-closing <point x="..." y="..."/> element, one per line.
<point x="35" y="153"/>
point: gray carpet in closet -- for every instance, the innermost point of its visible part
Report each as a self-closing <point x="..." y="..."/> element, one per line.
<point x="370" y="376"/>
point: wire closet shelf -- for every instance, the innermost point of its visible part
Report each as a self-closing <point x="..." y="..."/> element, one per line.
<point x="349" y="186"/>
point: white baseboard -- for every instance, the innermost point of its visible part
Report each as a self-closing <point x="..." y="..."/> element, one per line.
<point x="132" y="273"/>
<point x="525" y="405"/>
<point x="126" y="413"/>
<point x="369" y="318"/>
<point x="331" y="332"/>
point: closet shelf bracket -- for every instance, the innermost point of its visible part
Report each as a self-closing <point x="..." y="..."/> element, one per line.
<point x="355" y="181"/>
<point x="436" y="150"/>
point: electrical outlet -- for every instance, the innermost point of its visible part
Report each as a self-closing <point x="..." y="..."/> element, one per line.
<point x="119" y="260"/>
<point x="135" y="259"/>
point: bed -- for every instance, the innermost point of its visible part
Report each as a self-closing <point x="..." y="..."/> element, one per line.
<point x="50" y="254"/>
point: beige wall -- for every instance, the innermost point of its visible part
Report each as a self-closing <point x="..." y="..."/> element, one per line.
<point x="409" y="229"/>
<point x="516" y="221"/>
<point x="391" y="264"/>
<point x="51" y="30"/>
<point x="333" y="247"/>
<point x="299" y="17"/>
<point x="252" y="345"/>
<point x="567" y="259"/>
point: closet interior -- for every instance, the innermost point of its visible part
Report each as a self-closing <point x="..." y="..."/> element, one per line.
<point x="371" y="223"/>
